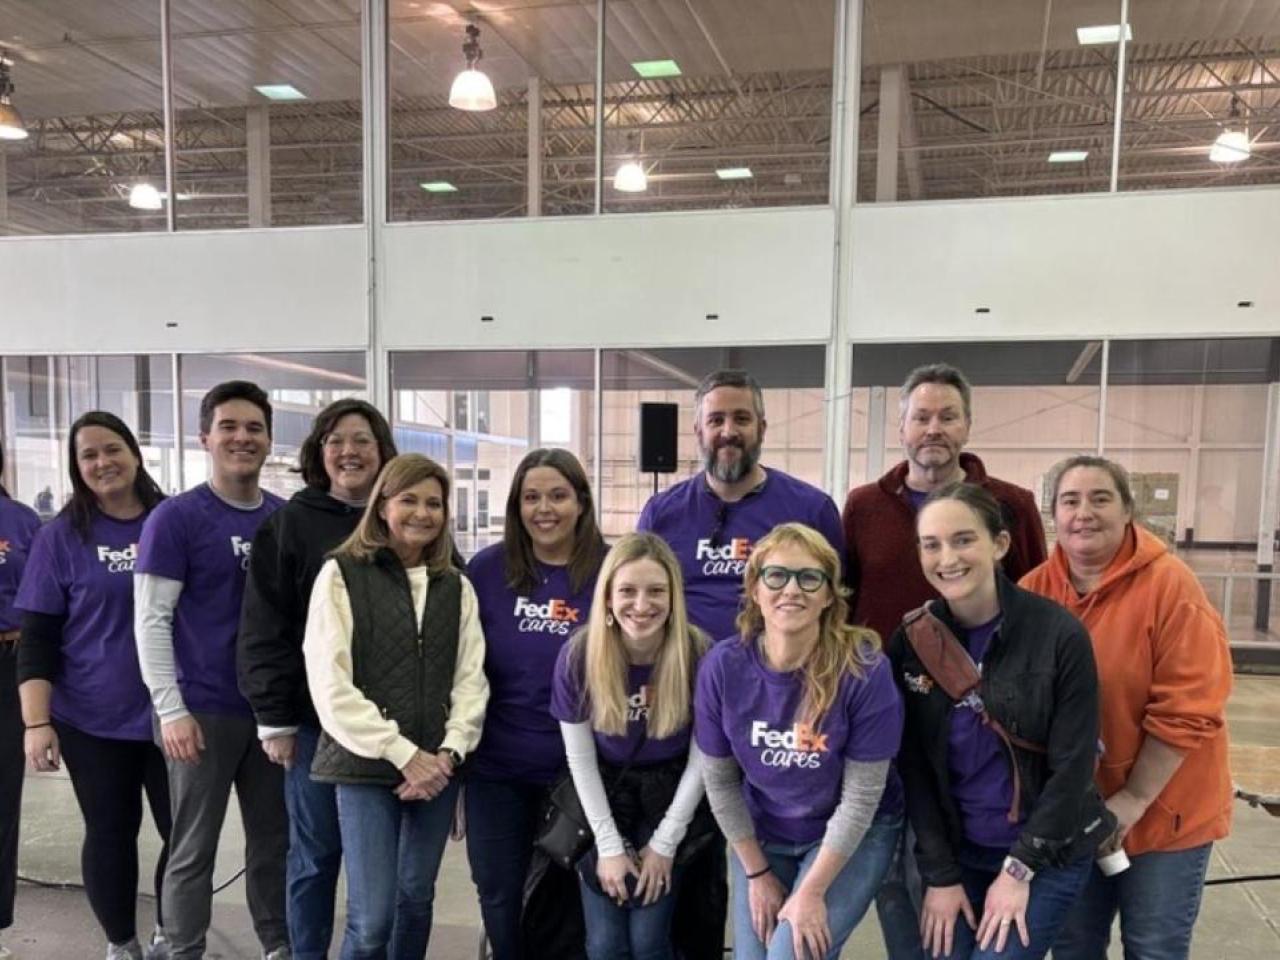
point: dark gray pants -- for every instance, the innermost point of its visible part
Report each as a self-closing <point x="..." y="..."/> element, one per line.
<point x="200" y="792"/>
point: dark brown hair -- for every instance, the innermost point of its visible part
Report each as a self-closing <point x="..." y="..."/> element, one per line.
<point x="588" y="544"/>
<point x="83" y="505"/>
<point x="311" y="454"/>
<point x="234" y="390"/>
<point x="978" y="499"/>
<point x="1119" y="476"/>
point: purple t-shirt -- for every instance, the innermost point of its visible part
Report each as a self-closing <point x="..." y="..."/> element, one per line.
<point x="99" y="688"/>
<point x="570" y="704"/>
<point x="200" y="539"/>
<point x="523" y="634"/>
<point x="792" y="774"/>
<point x="18" y="526"/>
<point x="712" y="539"/>
<point x="979" y="763"/>
<point x="917" y="498"/>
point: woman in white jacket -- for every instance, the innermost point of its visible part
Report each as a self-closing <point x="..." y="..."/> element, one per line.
<point x="395" y="663"/>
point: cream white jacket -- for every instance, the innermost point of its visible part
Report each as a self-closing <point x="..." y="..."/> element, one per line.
<point x="346" y="714"/>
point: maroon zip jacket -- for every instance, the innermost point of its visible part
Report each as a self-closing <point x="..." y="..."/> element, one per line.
<point x="882" y="564"/>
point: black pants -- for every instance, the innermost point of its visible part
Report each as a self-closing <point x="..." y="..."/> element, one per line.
<point x="11" y="764"/>
<point x="110" y="777"/>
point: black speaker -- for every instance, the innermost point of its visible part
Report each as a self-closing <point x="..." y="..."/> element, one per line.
<point x="658" y="437"/>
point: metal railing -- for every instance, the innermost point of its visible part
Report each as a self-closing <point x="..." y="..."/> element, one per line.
<point x="1228" y="579"/>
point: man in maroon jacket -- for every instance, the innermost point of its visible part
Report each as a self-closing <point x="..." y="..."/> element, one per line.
<point x="882" y="567"/>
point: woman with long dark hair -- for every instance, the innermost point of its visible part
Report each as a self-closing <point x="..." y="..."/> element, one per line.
<point x="535" y="590"/>
<point x="83" y="699"/>
<point x="18" y="526"/>
<point x="340" y="459"/>
<point x="395" y="662"/>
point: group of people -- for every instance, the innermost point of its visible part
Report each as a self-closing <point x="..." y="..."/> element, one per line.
<point x="910" y="705"/>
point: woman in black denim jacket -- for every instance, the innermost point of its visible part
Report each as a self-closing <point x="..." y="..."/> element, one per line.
<point x="999" y="777"/>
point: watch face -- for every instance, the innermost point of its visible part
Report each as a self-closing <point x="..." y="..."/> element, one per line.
<point x="1016" y="869"/>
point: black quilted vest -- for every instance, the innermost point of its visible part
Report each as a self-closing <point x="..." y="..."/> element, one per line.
<point x="403" y="666"/>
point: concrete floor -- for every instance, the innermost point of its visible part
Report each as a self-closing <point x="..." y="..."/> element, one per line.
<point x="1237" y="922"/>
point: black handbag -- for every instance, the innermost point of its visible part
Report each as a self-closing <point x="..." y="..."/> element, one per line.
<point x="564" y="834"/>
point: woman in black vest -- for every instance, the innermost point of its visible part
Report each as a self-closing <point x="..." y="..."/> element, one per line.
<point x="395" y="663"/>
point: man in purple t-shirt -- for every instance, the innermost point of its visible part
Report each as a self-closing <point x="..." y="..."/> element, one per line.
<point x="712" y="520"/>
<point x="188" y="584"/>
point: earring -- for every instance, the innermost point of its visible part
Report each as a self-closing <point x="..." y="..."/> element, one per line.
<point x="608" y="619"/>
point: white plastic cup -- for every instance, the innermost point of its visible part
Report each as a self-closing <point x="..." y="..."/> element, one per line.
<point x="1114" y="863"/>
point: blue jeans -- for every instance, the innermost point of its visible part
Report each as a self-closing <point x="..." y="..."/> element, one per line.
<point x="619" y="933"/>
<point x="847" y="899"/>
<point x="389" y="910"/>
<point x="315" y="853"/>
<point x="1158" y="899"/>
<point x="898" y="903"/>
<point x="1054" y="890"/>
<point x="502" y="821"/>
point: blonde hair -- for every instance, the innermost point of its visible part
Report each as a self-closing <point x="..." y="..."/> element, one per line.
<point x="841" y="648"/>
<point x="371" y="533"/>
<point x="598" y="653"/>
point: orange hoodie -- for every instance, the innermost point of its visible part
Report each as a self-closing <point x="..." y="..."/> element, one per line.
<point x="1164" y="670"/>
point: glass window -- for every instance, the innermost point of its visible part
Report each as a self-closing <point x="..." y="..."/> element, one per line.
<point x="986" y="99"/>
<point x="1200" y="95"/>
<point x="790" y="376"/>
<point x="712" y="105"/>
<point x="1033" y="405"/>
<point x="448" y="163"/>
<point x="516" y="385"/>
<point x="1187" y="418"/>
<point x="87" y="86"/>
<point x="267" y="103"/>
<point x="299" y="385"/>
<point x="44" y="395"/>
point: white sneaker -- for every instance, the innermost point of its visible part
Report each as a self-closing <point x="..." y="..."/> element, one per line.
<point x="158" y="948"/>
<point x="5" y="954"/>
<point x="124" y="951"/>
<point x="279" y="953"/>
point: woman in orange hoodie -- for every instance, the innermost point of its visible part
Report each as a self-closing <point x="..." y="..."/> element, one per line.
<point x="1164" y="671"/>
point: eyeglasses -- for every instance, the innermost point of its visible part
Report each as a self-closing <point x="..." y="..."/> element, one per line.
<point x="809" y="579"/>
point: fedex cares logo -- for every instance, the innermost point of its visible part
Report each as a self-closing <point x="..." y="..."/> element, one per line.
<point x="240" y="549"/>
<point x="800" y="746"/>
<point x="118" y="561"/>
<point x="638" y="705"/>
<point x="727" y="559"/>
<point x="554" y="616"/>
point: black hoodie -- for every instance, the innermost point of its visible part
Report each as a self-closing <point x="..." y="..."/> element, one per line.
<point x="288" y="552"/>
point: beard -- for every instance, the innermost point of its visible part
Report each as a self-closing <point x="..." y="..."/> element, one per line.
<point x="732" y="471"/>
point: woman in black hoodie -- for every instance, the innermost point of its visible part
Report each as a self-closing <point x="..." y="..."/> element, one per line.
<point x="349" y="443"/>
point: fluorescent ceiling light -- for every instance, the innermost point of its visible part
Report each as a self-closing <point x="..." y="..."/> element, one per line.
<point x="631" y="178"/>
<point x="438" y="186"/>
<point x="1068" y="156"/>
<point x="733" y="173"/>
<point x="1232" y="146"/>
<point x="144" y="196"/>
<point x="1103" y="33"/>
<point x="654" y="69"/>
<point x="280" y="91"/>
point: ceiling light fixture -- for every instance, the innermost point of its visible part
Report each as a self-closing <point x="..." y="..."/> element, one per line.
<point x="1103" y="33"/>
<point x="1232" y="144"/>
<point x="280" y="91"/>
<point x="656" y="69"/>
<point x="630" y="176"/>
<point x="11" y="125"/>
<point x="1068" y="156"/>
<point x="438" y="186"/>
<point x="144" y="196"/>
<point x="734" y="173"/>
<point x="472" y="89"/>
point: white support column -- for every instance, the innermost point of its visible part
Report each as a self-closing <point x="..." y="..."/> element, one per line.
<point x="258" y="139"/>
<point x="1189" y="495"/>
<point x="1102" y="399"/>
<point x="533" y="181"/>
<point x="1269" y="512"/>
<point x="4" y="192"/>
<point x="838" y="372"/>
<point x="888" y="131"/>
<point x="877" y="405"/>
<point x="374" y="92"/>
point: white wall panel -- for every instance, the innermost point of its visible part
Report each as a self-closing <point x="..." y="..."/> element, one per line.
<point x="1125" y="265"/>
<point x="613" y="281"/>
<point x="265" y="290"/>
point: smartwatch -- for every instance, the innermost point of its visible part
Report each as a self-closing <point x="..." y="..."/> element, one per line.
<point x="454" y="757"/>
<point x="1018" y="870"/>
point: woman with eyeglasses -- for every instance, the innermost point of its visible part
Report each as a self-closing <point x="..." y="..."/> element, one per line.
<point x="18" y="526"/>
<point x="340" y="459"/>
<point x="535" y="590"/>
<point x="798" y="719"/>
<point x="83" y="699"/>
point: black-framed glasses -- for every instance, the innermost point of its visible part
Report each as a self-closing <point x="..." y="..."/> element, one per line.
<point x="808" y="579"/>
